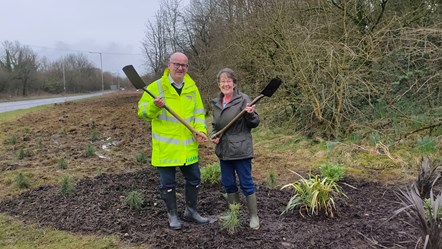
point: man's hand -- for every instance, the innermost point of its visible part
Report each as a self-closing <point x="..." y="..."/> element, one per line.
<point x="159" y="102"/>
<point x="201" y="137"/>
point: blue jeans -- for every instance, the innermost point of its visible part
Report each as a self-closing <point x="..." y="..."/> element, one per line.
<point x="242" y="168"/>
<point x="191" y="174"/>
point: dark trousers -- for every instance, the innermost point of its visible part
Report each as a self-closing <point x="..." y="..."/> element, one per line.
<point x="242" y="168"/>
<point x="191" y="174"/>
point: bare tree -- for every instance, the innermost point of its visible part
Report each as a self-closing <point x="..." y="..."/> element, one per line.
<point x="21" y="62"/>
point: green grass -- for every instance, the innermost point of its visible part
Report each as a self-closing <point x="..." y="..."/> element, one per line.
<point x="17" y="235"/>
<point x="12" y="115"/>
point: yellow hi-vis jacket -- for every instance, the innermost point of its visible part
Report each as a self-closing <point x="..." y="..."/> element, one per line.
<point x="172" y="143"/>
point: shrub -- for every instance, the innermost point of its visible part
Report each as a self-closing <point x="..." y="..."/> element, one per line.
<point x="313" y="195"/>
<point x="334" y="172"/>
<point x="66" y="186"/>
<point x="22" y="181"/>
<point x="135" y="199"/>
<point x="231" y="222"/>
<point x="211" y="174"/>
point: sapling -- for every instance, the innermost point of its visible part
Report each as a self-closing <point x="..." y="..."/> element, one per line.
<point x="271" y="179"/>
<point x="231" y="222"/>
<point x="22" y="181"/>
<point x="66" y="186"/>
<point x="211" y="174"/>
<point x="62" y="163"/>
<point x="135" y="199"/>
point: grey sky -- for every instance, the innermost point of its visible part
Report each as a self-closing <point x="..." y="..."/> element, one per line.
<point x="55" y="28"/>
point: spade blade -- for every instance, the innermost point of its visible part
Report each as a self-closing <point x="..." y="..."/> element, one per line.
<point x="271" y="88"/>
<point x="133" y="77"/>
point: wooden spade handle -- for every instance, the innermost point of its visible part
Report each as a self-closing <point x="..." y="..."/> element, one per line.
<point x="221" y="132"/>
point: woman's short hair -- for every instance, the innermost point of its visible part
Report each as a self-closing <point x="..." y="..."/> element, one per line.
<point x="229" y="73"/>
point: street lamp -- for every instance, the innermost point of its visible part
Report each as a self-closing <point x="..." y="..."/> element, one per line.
<point x="101" y="64"/>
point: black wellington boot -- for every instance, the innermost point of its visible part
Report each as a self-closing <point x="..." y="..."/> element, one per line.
<point x="169" y="197"/>
<point x="191" y="213"/>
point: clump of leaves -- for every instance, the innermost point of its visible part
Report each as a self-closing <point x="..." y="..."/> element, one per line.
<point x="135" y="199"/>
<point x="426" y="214"/>
<point x="231" y="221"/>
<point x="211" y="174"/>
<point x="66" y="186"/>
<point x="272" y="179"/>
<point x="90" y="151"/>
<point x="62" y="163"/>
<point x="428" y="176"/>
<point x="426" y="144"/>
<point x="314" y="195"/>
<point x="141" y="158"/>
<point x="332" y="171"/>
<point x="22" y="181"/>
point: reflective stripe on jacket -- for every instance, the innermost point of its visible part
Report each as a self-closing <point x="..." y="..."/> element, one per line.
<point x="172" y="143"/>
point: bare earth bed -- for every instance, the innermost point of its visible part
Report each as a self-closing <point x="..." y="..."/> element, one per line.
<point x="98" y="203"/>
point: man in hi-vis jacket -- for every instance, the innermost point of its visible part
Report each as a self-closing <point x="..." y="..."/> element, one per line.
<point x="173" y="145"/>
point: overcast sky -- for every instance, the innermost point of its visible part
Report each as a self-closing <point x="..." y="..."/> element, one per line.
<point x="55" y="28"/>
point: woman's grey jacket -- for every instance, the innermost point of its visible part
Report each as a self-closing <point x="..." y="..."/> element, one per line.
<point x="236" y="142"/>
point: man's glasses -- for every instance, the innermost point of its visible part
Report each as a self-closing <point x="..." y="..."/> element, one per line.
<point x="178" y="65"/>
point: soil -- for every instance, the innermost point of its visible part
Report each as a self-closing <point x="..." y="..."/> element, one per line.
<point x="98" y="205"/>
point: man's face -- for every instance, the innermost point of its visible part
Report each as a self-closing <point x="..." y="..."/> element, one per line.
<point x="178" y="66"/>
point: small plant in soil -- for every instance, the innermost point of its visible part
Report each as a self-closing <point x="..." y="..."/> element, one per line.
<point x="94" y="135"/>
<point x="66" y="186"/>
<point x="135" y="199"/>
<point x="332" y="171"/>
<point x="90" y="151"/>
<point x="426" y="214"/>
<point x="141" y="158"/>
<point x="231" y="222"/>
<point x="12" y="140"/>
<point x="62" y="163"/>
<point x="21" y="154"/>
<point x="314" y="195"/>
<point x="428" y="176"/>
<point x="272" y="179"/>
<point x="22" y="181"/>
<point x="93" y="125"/>
<point x="211" y="174"/>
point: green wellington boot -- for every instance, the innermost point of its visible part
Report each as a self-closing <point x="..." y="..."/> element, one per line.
<point x="253" y="211"/>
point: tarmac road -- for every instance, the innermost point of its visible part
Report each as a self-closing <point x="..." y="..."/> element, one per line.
<point x="16" y="105"/>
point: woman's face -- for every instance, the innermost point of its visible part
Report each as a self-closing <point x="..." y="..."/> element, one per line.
<point x="226" y="85"/>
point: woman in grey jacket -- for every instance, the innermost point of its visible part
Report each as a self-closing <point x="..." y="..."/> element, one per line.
<point x="234" y="147"/>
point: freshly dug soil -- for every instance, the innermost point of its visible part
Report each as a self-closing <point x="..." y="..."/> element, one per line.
<point x="98" y="206"/>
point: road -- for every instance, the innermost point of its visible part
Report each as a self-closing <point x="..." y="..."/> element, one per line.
<point x="16" y="105"/>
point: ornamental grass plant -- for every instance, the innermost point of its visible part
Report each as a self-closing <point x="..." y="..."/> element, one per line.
<point x="314" y="195"/>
